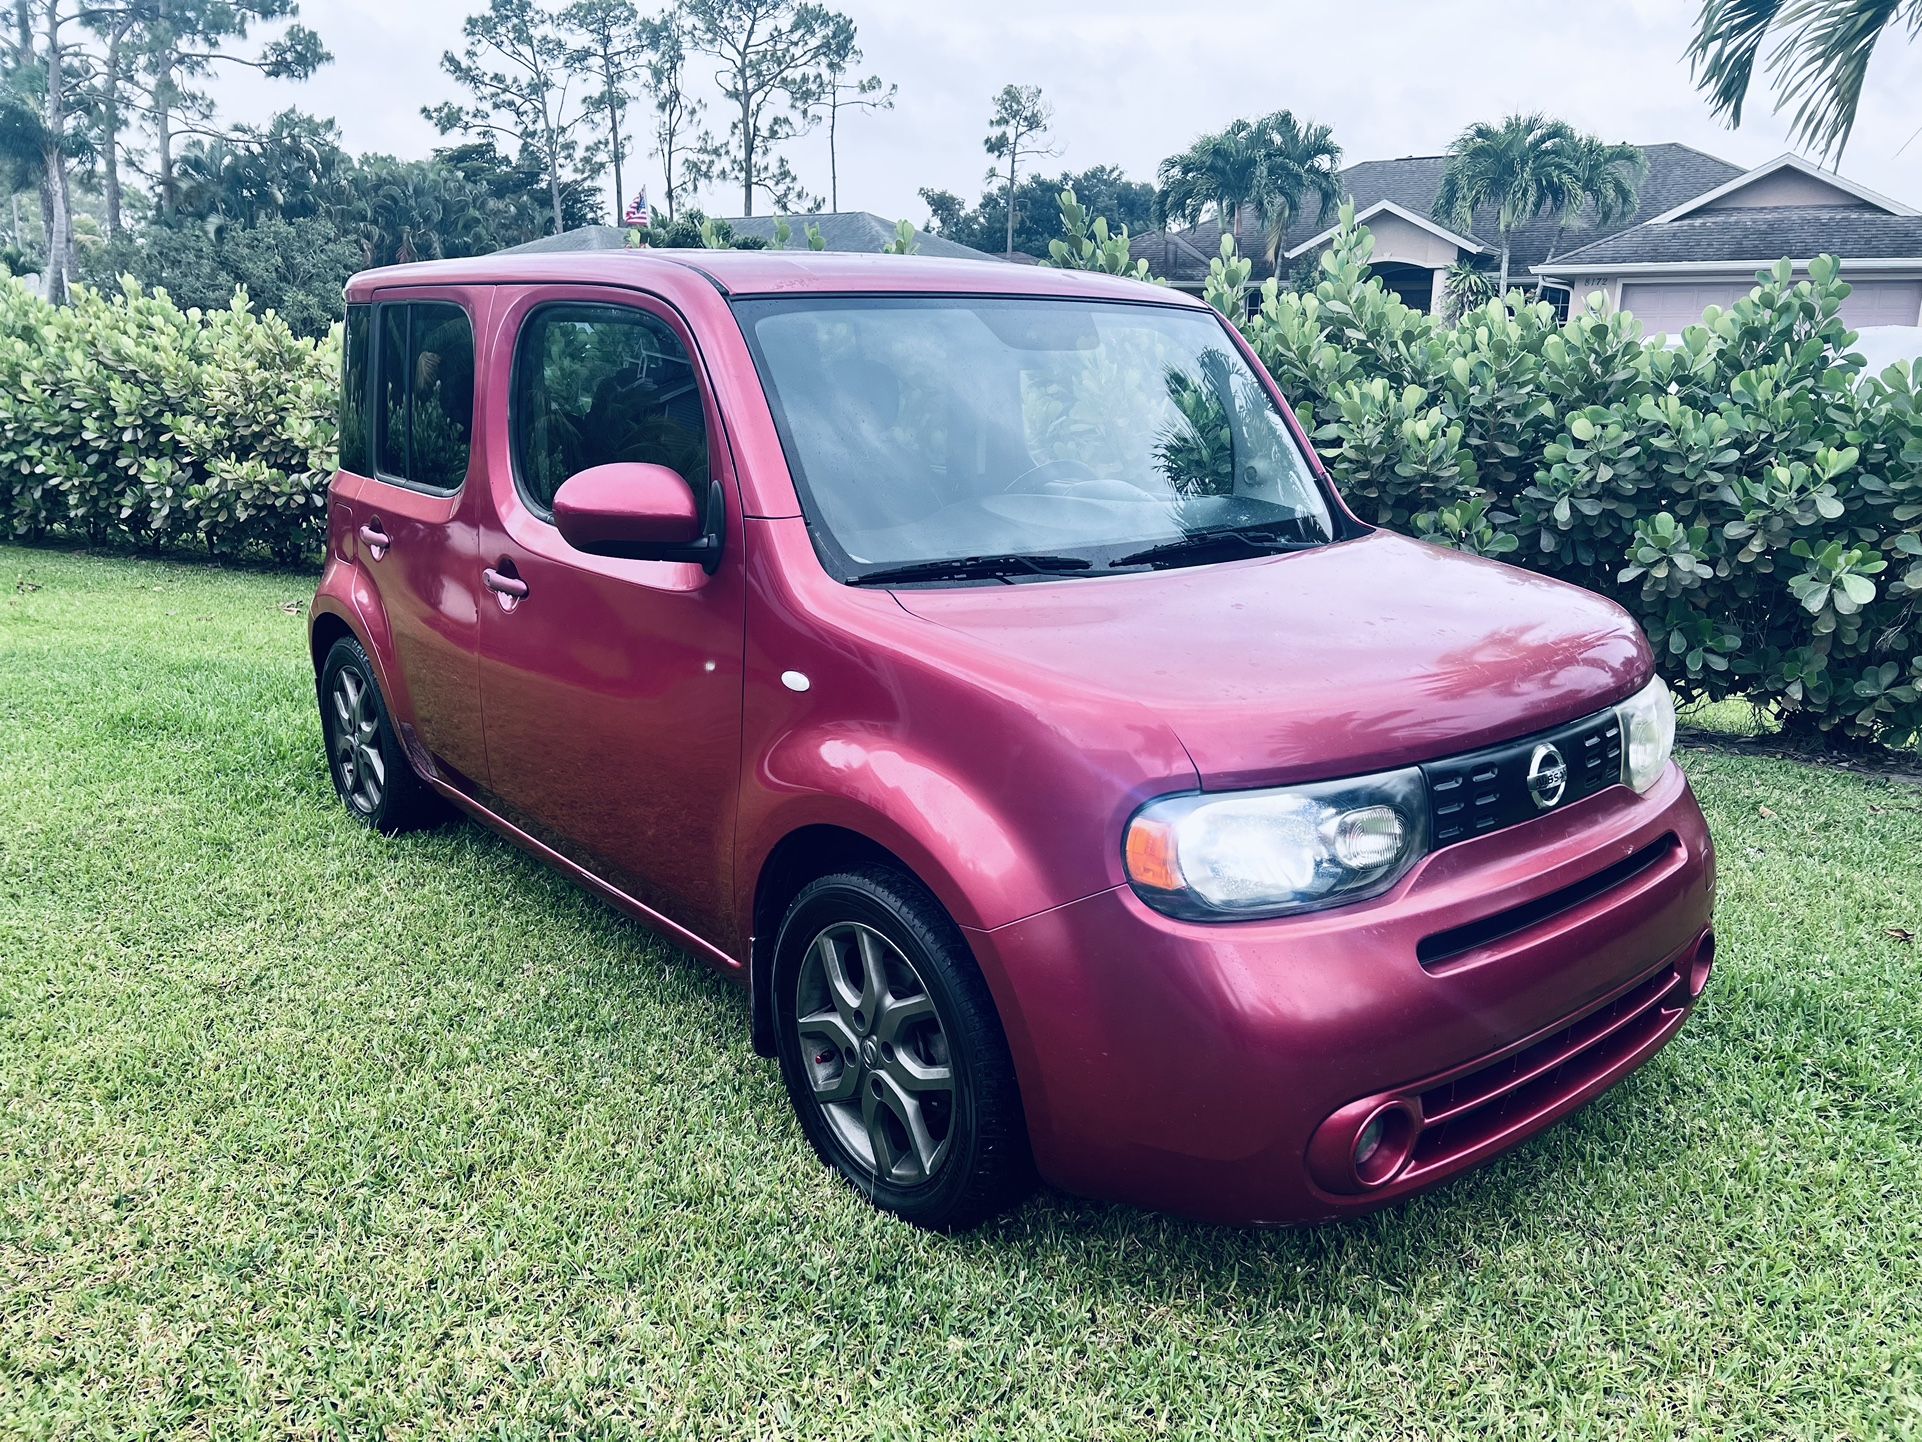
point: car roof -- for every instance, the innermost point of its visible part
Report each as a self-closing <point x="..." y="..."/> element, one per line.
<point x="764" y="272"/>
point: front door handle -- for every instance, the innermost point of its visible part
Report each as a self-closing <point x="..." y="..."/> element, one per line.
<point x="374" y="539"/>
<point x="508" y="588"/>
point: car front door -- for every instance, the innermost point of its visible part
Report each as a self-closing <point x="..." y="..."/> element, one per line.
<point x="611" y="688"/>
<point x="405" y="452"/>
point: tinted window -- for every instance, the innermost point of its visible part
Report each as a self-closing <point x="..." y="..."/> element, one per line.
<point x="390" y="397"/>
<point x="598" y="384"/>
<point x="355" y="443"/>
<point x="424" y="408"/>
<point x="441" y="354"/>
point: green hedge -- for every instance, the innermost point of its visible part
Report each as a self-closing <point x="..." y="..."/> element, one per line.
<point x="1748" y="493"/>
<point x="125" y="418"/>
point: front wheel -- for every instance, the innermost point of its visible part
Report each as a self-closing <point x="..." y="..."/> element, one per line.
<point x="893" y="1053"/>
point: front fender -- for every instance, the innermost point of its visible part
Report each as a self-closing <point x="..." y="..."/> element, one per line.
<point x="964" y="851"/>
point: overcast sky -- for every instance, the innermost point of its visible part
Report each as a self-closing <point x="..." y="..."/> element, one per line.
<point x="1131" y="82"/>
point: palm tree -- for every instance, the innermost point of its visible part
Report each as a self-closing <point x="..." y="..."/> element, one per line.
<point x="1271" y="164"/>
<point x="1222" y="171"/>
<point x="1300" y="163"/>
<point x="1602" y="176"/>
<point x="1520" y="167"/>
<point x="1820" y="57"/>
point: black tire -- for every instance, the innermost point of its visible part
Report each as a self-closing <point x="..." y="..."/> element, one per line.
<point x="981" y="1164"/>
<point x="375" y="780"/>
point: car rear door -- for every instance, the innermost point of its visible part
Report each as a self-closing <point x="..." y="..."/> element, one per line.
<point x="407" y="440"/>
<point x="611" y="688"/>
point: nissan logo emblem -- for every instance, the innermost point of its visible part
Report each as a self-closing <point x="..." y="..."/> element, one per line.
<point x="1547" y="776"/>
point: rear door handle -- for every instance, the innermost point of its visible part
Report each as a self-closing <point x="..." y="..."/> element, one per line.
<point x="502" y="584"/>
<point x="374" y="539"/>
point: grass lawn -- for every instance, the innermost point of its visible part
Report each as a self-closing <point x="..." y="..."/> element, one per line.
<point x="305" y="1132"/>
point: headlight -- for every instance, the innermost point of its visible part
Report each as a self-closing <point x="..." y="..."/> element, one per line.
<point x="1266" y="853"/>
<point x="1648" y="734"/>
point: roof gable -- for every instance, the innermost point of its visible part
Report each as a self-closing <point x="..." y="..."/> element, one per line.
<point x="1763" y="187"/>
<point x="1389" y="207"/>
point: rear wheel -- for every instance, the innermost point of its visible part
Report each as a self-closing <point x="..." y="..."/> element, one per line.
<point x="371" y="772"/>
<point x="893" y="1054"/>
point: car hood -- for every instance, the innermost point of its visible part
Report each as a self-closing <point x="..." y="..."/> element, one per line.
<point x="1362" y="656"/>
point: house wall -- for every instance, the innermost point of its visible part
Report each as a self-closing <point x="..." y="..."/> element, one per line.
<point x="1583" y="286"/>
<point x="1783" y="187"/>
<point x="1396" y="239"/>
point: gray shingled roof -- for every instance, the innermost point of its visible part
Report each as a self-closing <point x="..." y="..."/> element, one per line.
<point x="857" y="232"/>
<point x="1676" y="173"/>
<point x="1758" y="234"/>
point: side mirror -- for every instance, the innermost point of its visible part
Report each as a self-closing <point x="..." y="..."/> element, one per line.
<point x="637" y="512"/>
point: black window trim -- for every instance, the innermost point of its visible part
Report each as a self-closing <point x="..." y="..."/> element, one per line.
<point x="626" y="299"/>
<point x="377" y="307"/>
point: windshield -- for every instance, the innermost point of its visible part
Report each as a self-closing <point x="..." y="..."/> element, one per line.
<point x="1016" y="438"/>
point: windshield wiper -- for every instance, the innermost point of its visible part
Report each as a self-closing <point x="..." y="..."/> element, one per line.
<point x="1201" y="543"/>
<point x="969" y="568"/>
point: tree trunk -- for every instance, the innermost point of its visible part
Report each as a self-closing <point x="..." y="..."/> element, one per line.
<point x="1502" y="285"/>
<point x="747" y="152"/>
<point x="1013" y="150"/>
<point x="834" y="169"/>
<point x="1549" y="259"/>
<point x="53" y="160"/>
<point x="553" y="167"/>
<point x="667" y="165"/>
<point x="163" y="100"/>
<point x="614" y="141"/>
<point x="110" y="130"/>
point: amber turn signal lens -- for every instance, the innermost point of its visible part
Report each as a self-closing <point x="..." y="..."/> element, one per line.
<point x="1150" y="855"/>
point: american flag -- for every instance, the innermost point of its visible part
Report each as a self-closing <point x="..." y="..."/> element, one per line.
<point x="636" y="210"/>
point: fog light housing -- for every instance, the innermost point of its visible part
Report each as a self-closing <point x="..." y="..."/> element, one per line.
<point x="1383" y="1144"/>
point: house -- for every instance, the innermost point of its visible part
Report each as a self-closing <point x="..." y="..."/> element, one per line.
<point x="1701" y="229"/>
<point x="1395" y="199"/>
<point x="1671" y="267"/>
<point x="854" y="231"/>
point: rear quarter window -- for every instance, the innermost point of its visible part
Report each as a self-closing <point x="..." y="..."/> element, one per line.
<point x="356" y="444"/>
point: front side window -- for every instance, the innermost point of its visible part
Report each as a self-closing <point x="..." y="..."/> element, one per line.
<point x="599" y="384"/>
<point x="1060" y="436"/>
<point x="424" y="394"/>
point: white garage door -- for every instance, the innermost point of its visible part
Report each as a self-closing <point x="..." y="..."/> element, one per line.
<point x="1882" y="302"/>
<point x="1671" y="309"/>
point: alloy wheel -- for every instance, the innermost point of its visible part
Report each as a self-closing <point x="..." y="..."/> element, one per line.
<point x="355" y="740"/>
<point x="876" y="1057"/>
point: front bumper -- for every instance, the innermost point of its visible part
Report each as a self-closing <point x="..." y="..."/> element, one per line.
<point x="1224" y="1071"/>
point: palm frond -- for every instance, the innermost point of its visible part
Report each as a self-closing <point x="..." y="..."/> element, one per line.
<point x="1817" y="65"/>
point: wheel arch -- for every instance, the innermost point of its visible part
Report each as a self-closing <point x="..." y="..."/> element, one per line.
<point x="328" y="629"/>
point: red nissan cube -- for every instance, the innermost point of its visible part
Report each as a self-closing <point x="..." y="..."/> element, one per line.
<point x="976" y="663"/>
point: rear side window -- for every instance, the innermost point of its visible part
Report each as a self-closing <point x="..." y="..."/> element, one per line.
<point x="597" y="384"/>
<point x="356" y="445"/>
<point x="423" y="394"/>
